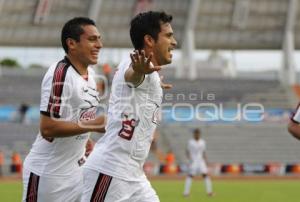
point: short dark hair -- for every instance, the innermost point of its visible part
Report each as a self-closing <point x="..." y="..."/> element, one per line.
<point x="73" y="29"/>
<point x="147" y="24"/>
<point x="197" y="131"/>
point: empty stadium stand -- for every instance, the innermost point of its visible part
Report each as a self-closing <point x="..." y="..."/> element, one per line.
<point x="270" y="93"/>
<point x="17" y="137"/>
<point x="24" y="86"/>
<point x="257" y="143"/>
<point x="20" y="85"/>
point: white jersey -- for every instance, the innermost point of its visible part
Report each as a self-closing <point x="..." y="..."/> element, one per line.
<point x="133" y="115"/>
<point x="296" y="116"/>
<point x="67" y="96"/>
<point x="196" y="150"/>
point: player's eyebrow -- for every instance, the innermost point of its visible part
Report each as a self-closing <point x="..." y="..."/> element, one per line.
<point x="169" y="34"/>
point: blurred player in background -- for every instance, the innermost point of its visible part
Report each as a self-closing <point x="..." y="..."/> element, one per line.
<point x="114" y="169"/>
<point x="69" y="99"/>
<point x="294" y="127"/>
<point x="197" y="163"/>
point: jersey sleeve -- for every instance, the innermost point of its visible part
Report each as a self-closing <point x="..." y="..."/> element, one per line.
<point x="296" y="115"/>
<point x="55" y="91"/>
<point x="124" y="66"/>
<point x="45" y="92"/>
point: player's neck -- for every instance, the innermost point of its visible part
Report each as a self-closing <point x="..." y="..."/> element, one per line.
<point x="78" y="65"/>
<point x="154" y="62"/>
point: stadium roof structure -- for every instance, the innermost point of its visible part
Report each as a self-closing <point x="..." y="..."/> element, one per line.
<point x="198" y="24"/>
<point x="219" y="24"/>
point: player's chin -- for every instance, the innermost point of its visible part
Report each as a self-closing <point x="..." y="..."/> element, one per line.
<point x="168" y="60"/>
<point x="94" y="61"/>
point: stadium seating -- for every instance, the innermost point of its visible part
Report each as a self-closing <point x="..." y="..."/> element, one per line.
<point x="256" y="143"/>
<point x="24" y="86"/>
<point x="270" y="93"/>
<point x="19" y="85"/>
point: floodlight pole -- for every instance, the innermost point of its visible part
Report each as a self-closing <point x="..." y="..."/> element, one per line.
<point x="188" y="45"/>
<point x="288" y="74"/>
<point x="94" y="9"/>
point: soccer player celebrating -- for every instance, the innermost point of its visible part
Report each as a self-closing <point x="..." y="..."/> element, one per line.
<point x="69" y="98"/>
<point x="198" y="163"/>
<point x="114" y="169"/>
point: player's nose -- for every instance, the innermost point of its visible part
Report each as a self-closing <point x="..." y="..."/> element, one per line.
<point x="174" y="42"/>
<point x="99" y="44"/>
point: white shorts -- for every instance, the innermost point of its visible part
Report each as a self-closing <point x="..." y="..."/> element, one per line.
<point x="198" y="167"/>
<point x="51" y="189"/>
<point x="99" y="187"/>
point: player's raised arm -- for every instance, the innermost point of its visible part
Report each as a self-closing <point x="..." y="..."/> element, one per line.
<point x="140" y="66"/>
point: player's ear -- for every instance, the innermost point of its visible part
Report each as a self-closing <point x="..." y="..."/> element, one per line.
<point x="71" y="43"/>
<point x="149" y="41"/>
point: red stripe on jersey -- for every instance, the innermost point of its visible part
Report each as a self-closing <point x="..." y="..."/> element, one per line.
<point x="57" y="88"/>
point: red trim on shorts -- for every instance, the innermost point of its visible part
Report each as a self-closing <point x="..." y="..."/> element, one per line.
<point x="101" y="188"/>
<point x="32" y="188"/>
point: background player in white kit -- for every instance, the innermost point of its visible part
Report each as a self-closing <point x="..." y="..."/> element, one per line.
<point x="52" y="171"/>
<point x="198" y="163"/>
<point x="114" y="170"/>
<point x="294" y="124"/>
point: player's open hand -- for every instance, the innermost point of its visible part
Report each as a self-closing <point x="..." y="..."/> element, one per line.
<point x="142" y="64"/>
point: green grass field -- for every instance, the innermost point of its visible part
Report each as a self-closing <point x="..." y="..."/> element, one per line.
<point x="226" y="191"/>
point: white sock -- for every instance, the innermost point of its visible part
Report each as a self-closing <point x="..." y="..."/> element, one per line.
<point x="187" y="186"/>
<point x="208" y="185"/>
